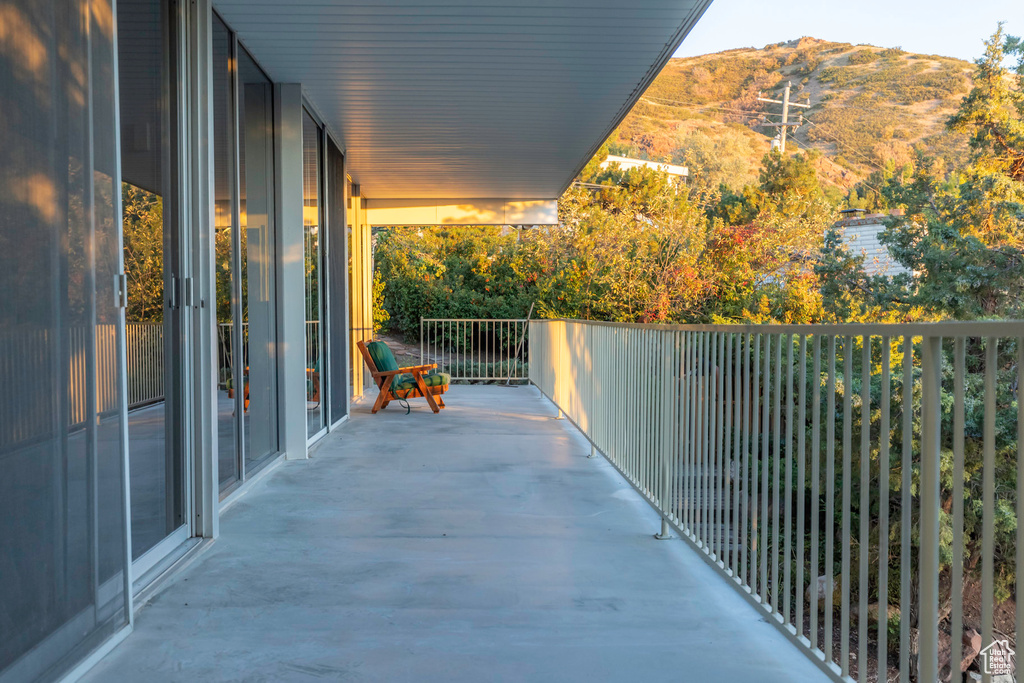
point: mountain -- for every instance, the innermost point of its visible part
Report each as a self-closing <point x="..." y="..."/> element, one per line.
<point x="869" y="106"/>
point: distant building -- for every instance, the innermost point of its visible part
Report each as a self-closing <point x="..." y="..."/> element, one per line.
<point x="860" y="234"/>
<point x="626" y="163"/>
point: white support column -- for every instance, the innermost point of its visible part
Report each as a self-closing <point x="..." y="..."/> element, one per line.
<point x="291" y="333"/>
<point x="203" y="302"/>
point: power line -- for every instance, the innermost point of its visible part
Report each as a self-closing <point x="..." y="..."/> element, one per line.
<point x="839" y="143"/>
<point x="675" y="103"/>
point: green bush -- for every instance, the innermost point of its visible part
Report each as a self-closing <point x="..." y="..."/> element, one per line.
<point x="862" y="57"/>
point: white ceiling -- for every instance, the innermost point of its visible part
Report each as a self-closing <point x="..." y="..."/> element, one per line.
<point x="465" y="98"/>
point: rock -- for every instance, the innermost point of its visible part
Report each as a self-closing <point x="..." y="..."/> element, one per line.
<point x="969" y="649"/>
<point x="817" y="591"/>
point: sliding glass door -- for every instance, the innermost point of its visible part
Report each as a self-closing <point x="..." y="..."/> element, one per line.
<point x="245" y="258"/>
<point x="312" y="220"/>
<point x="158" y="290"/>
<point x="337" y="340"/>
<point x="63" y="555"/>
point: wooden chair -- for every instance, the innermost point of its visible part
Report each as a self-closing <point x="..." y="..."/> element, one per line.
<point x="396" y="383"/>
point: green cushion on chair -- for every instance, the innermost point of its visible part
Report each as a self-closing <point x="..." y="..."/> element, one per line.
<point x="382" y="356"/>
<point x="404" y="384"/>
<point x="434" y="379"/>
<point x="438" y="379"/>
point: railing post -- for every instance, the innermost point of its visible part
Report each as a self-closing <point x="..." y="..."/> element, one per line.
<point x="928" y="571"/>
<point x="666" y="531"/>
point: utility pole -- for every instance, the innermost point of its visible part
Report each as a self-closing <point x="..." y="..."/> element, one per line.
<point x="786" y="123"/>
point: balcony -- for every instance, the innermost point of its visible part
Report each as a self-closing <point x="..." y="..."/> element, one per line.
<point x="480" y="544"/>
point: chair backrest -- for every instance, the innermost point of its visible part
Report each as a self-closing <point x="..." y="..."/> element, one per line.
<point x="382" y="356"/>
<point x="372" y="363"/>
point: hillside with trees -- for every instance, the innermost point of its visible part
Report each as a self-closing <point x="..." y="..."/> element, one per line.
<point x="752" y="241"/>
<point x="870" y="107"/>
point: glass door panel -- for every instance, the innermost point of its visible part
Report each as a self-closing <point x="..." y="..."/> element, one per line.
<point x="148" y="75"/>
<point x="257" y="259"/>
<point x="337" y="264"/>
<point x="225" y="235"/>
<point x="62" y="544"/>
<point x="246" y="259"/>
<point x="311" y="211"/>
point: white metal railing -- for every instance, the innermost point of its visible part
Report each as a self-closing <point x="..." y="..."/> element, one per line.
<point x="34" y="359"/>
<point x="785" y="453"/>
<point x="144" y="344"/>
<point x="476" y="349"/>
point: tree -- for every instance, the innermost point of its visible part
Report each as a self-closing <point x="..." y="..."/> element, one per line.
<point x="993" y="112"/>
<point x="961" y="234"/>
<point x="143" y="253"/>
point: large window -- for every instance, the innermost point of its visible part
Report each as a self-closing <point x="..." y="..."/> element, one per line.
<point x="245" y="258"/>
<point x="63" y="556"/>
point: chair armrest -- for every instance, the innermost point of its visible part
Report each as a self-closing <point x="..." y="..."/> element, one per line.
<point x="389" y="373"/>
<point x="418" y="368"/>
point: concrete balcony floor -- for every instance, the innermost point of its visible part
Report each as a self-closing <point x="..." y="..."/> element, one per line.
<point x="479" y="544"/>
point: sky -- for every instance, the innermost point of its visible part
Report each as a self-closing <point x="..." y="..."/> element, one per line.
<point x="939" y="27"/>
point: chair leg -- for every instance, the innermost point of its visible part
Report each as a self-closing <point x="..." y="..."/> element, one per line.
<point x="383" y="395"/>
<point x="440" y="402"/>
<point x="425" y="391"/>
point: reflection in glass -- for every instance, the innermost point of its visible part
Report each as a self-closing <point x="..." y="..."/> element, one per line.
<point x="245" y="258"/>
<point x="311" y="230"/>
<point x="224" y="254"/>
<point x="337" y="282"/>
<point x="62" y="550"/>
<point x="148" y="173"/>
<point x="257" y="260"/>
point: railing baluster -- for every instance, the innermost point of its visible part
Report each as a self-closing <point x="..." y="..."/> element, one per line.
<point x="905" y="511"/>
<point x="988" y="496"/>
<point x="787" y="575"/>
<point x="830" y="498"/>
<point x="755" y="470"/>
<point x="844" y="544"/>
<point x="801" y="485"/>
<point x="684" y="441"/>
<point x="725" y="506"/>
<point x="694" y="474"/>
<point x="882" y="651"/>
<point x="708" y="451"/>
<point x="931" y="401"/>
<point x="776" y="457"/>
<point x="719" y="495"/>
<point x="744" y="499"/>
<point x="864" y="509"/>
<point x="815" y="491"/>
<point x="956" y="618"/>
<point x="734" y="470"/>
<point x="765" y="465"/>
<point x="715" y="479"/>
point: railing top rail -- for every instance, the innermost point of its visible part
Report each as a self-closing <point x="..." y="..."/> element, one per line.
<point x="473" y="320"/>
<point x="981" y="328"/>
